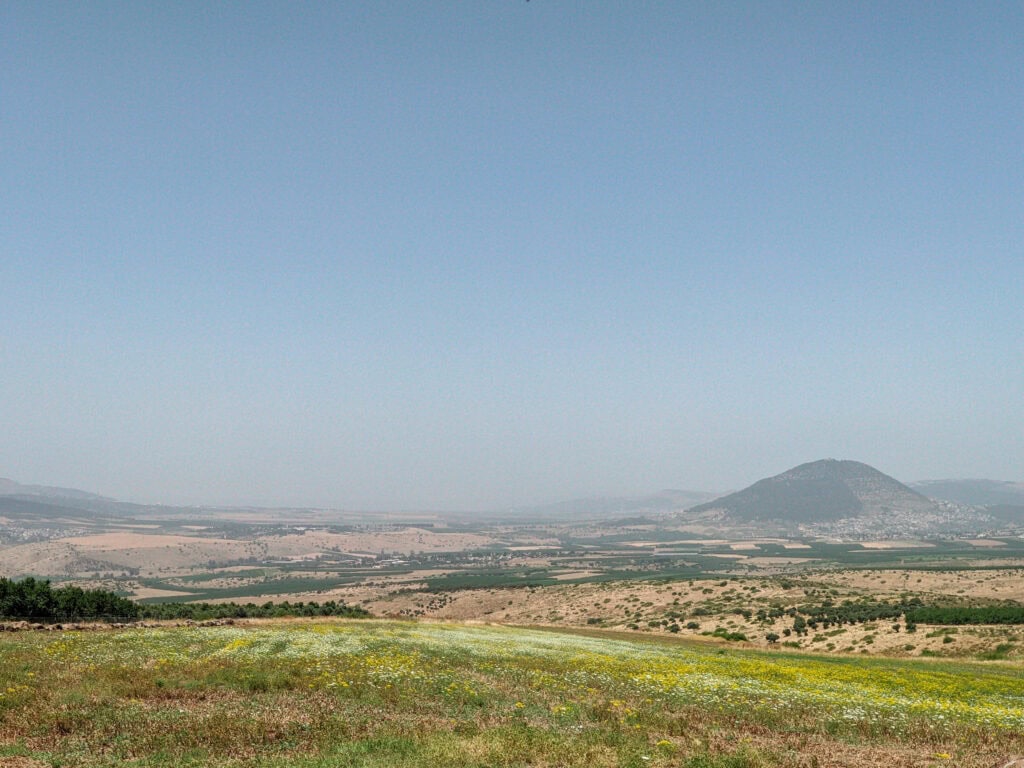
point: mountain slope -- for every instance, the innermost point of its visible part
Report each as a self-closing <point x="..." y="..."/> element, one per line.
<point x="819" y="491"/>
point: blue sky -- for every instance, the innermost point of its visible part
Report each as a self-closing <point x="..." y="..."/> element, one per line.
<point x="465" y="255"/>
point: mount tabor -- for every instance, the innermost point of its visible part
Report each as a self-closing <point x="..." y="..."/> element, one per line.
<point x="819" y="491"/>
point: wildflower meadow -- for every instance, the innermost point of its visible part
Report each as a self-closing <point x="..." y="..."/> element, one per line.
<point x="388" y="693"/>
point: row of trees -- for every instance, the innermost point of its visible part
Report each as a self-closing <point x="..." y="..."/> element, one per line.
<point x="829" y="614"/>
<point x="204" y="611"/>
<point x="38" y="601"/>
<point x="979" y="614"/>
<point x="912" y="610"/>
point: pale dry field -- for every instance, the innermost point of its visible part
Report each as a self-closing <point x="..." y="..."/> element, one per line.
<point x="154" y="554"/>
<point x="896" y="544"/>
<point x="403" y="541"/>
<point x="986" y="543"/>
<point x="141" y="593"/>
<point x="151" y="554"/>
<point x="113" y="541"/>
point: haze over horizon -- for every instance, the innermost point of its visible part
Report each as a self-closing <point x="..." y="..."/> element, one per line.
<point x="477" y="255"/>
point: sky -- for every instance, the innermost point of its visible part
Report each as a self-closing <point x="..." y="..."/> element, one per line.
<point x="475" y="254"/>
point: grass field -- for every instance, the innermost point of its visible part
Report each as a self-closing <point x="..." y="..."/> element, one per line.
<point x="383" y="693"/>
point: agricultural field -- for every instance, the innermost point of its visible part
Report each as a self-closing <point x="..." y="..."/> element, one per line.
<point x="405" y="694"/>
<point x="608" y="643"/>
<point x="644" y="576"/>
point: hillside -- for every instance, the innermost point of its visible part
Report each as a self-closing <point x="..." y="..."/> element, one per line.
<point x="819" y="491"/>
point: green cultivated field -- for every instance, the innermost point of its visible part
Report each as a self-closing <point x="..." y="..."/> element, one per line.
<point x="382" y="693"/>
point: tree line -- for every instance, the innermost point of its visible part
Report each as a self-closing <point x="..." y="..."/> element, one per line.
<point x="268" y="610"/>
<point x="38" y="601"/>
<point x="976" y="614"/>
<point x="829" y="614"/>
<point x="912" y="610"/>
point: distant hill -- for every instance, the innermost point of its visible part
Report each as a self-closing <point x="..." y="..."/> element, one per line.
<point x="820" y="491"/>
<point x="26" y="508"/>
<point x="25" y="502"/>
<point x="978" y="493"/>
<point x="12" y="488"/>
<point x="606" y="507"/>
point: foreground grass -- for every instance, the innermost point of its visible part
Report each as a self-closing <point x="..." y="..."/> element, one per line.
<point x="410" y="695"/>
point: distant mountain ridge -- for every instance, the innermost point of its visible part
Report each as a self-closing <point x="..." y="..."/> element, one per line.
<point x="822" y="498"/>
<point x="12" y="488"/>
<point x="22" y="501"/>
<point x="979" y="493"/>
<point x="819" y="491"/>
<point x="666" y="501"/>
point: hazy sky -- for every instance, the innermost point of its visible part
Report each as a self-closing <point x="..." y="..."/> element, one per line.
<point x="480" y="253"/>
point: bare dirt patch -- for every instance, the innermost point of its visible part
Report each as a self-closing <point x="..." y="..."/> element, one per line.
<point x="985" y="543"/>
<point x="568" y="575"/>
<point x="156" y="554"/>
<point x="142" y="593"/>
<point x="404" y="541"/>
<point x="775" y="560"/>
